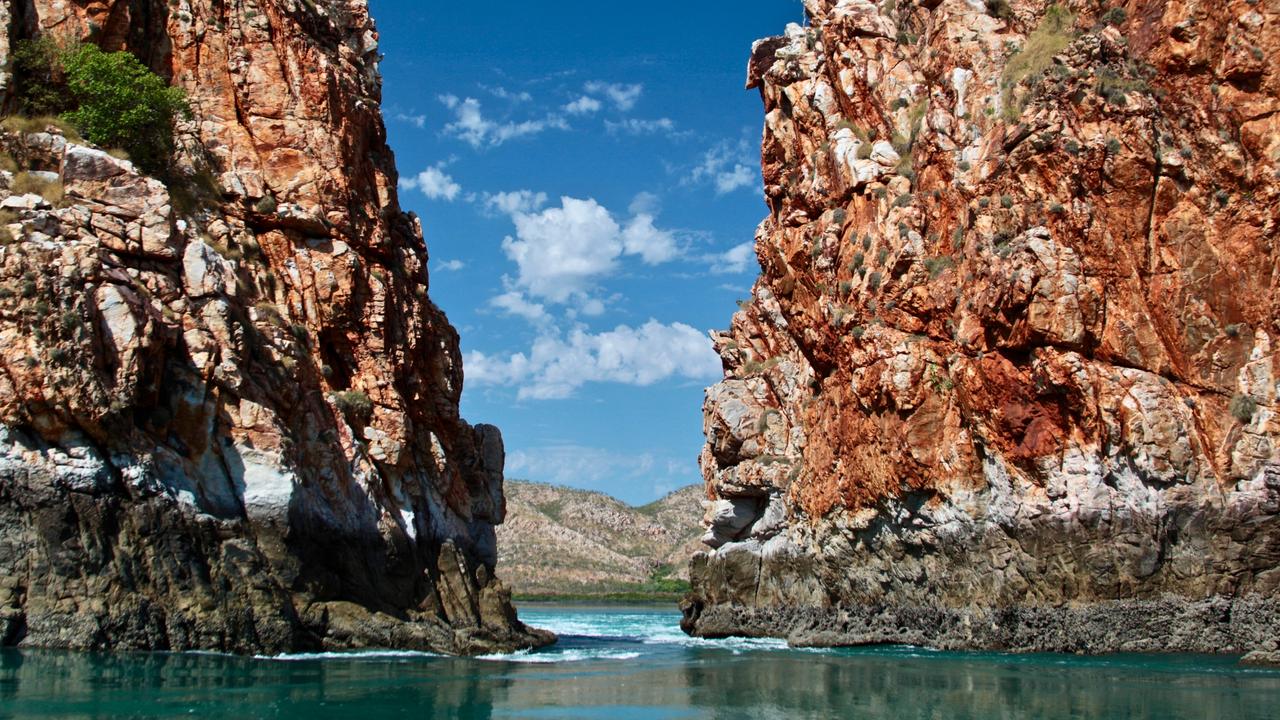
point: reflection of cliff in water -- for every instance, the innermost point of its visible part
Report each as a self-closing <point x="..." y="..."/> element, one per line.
<point x="621" y="676"/>
<point x="74" y="685"/>
<point x="967" y="686"/>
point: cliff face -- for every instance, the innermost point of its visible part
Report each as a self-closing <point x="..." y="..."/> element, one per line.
<point x="228" y="409"/>
<point x="1008" y="377"/>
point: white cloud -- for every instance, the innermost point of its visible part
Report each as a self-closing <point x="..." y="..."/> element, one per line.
<point x="513" y="302"/>
<point x="509" y="95"/>
<point x="516" y="201"/>
<point x="645" y="203"/>
<point x="726" y="168"/>
<point x="634" y="126"/>
<point x="584" y="105"/>
<point x="450" y="266"/>
<point x="434" y="182"/>
<point x="555" y="366"/>
<point x="418" y="121"/>
<point x="623" y="96"/>
<point x="562" y="251"/>
<point x="472" y="127"/>
<point x="652" y="245"/>
<point x="739" y="177"/>
<point x="734" y="260"/>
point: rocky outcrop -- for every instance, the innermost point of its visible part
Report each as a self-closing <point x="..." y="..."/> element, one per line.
<point x="1008" y="377"/>
<point x="228" y="409"/>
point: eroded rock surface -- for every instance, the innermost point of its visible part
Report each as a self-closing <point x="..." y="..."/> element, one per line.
<point x="228" y="408"/>
<point x="1008" y="377"/>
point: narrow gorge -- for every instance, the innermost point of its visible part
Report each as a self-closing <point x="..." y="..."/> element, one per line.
<point x="1008" y="376"/>
<point x="228" y="408"/>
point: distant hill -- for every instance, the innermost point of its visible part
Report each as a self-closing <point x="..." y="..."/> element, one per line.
<point x="564" y="542"/>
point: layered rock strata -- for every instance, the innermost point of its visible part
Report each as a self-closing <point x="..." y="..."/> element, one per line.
<point x="1008" y="377"/>
<point x="228" y="408"/>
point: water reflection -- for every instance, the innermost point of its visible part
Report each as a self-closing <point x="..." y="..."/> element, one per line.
<point x="620" y="678"/>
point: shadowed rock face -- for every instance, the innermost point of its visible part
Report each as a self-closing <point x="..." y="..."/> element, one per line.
<point x="228" y="409"/>
<point x="1011" y="350"/>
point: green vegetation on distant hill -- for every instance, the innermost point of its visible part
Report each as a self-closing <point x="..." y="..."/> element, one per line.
<point x="111" y="98"/>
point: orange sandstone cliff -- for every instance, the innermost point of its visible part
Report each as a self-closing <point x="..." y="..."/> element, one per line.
<point x="1008" y="377"/>
<point x="228" y="408"/>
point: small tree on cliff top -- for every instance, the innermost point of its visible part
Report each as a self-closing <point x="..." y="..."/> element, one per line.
<point x="121" y="103"/>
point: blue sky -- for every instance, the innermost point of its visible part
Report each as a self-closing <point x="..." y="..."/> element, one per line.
<point x="587" y="175"/>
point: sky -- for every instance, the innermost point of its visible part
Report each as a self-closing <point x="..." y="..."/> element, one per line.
<point x="588" y="179"/>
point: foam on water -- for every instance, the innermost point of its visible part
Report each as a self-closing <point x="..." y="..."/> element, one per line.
<point x="351" y="655"/>
<point x="646" y="629"/>
<point x="553" y="655"/>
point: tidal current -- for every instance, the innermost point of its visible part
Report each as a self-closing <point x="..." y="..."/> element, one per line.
<point x="625" y="663"/>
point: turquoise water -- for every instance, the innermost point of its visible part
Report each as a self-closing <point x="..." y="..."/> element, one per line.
<point x="629" y="663"/>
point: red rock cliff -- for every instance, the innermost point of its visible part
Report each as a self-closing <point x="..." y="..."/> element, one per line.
<point x="1008" y="377"/>
<point x="228" y="408"/>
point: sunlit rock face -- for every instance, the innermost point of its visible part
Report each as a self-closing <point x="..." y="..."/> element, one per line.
<point x="1008" y="377"/>
<point x="228" y="408"/>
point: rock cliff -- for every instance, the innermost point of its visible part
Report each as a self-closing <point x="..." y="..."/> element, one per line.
<point x="228" y="408"/>
<point x="1008" y="377"/>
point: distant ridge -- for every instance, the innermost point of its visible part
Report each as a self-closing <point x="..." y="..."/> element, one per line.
<point x="560" y="542"/>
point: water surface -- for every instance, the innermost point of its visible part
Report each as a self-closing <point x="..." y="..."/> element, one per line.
<point x="624" y="663"/>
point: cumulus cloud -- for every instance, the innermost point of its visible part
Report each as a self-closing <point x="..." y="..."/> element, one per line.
<point x="513" y="302"/>
<point x="726" y="168"/>
<point x="636" y="126"/>
<point x="640" y="237"/>
<point x="557" y="366"/>
<point x="434" y="182"/>
<point x="516" y="201"/>
<point x="560" y="252"/>
<point x="472" y="127"/>
<point x="734" y="260"/>
<point x="623" y="96"/>
<point x="450" y="265"/>
<point x="584" y="105"/>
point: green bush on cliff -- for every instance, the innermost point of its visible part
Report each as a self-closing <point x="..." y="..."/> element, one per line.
<point x="121" y="103"/>
<point x="41" y="87"/>
<point x="112" y="99"/>
<point x="1050" y="37"/>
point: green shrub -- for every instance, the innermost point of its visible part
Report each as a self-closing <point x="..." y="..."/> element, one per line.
<point x="1114" y="16"/>
<point x="999" y="9"/>
<point x="1050" y="37"/>
<point x="355" y="405"/>
<point x="41" y="84"/>
<point x="121" y="103"/>
<point x="936" y="265"/>
<point x="1243" y="407"/>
